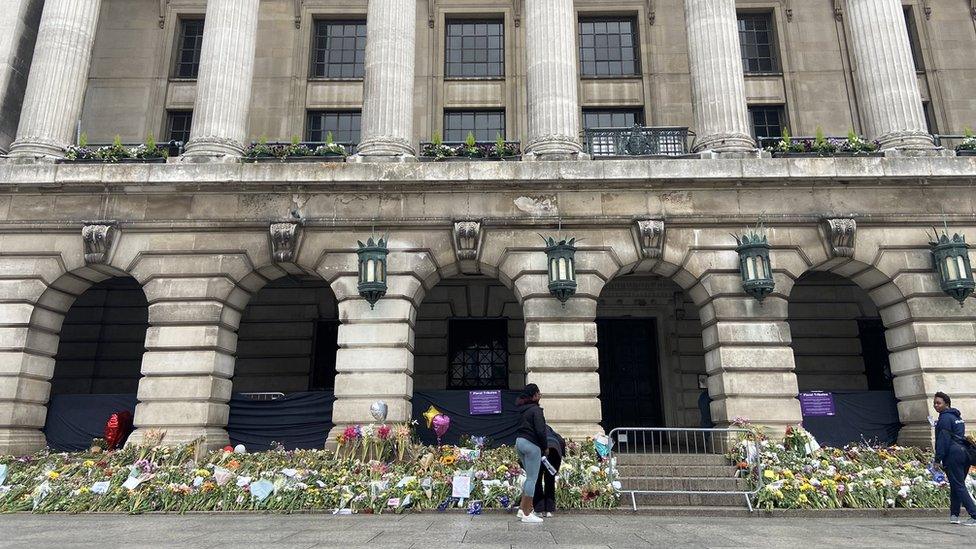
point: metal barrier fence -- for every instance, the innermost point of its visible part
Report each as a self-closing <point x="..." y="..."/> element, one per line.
<point x="637" y="141"/>
<point x="633" y="441"/>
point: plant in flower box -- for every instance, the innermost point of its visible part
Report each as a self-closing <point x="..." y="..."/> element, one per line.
<point x="296" y="149"/>
<point x="821" y="145"/>
<point x="149" y="150"/>
<point x="80" y="152"/>
<point x="968" y="145"/>
<point x="113" y="153"/>
<point x="503" y="150"/>
<point x="787" y="144"/>
<point x="470" y="148"/>
<point x="436" y="149"/>
<point x="259" y="150"/>
<point x="858" y="145"/>
<point x="331" y="148"/>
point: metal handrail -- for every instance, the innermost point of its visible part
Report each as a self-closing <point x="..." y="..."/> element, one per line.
<point x="953" y="137"/>
<point x="637" y="140"/>
<point x="678" y="441"/>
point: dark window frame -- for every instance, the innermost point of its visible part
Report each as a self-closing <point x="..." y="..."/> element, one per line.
<point x="193" y="65"/>
<point x="582" y="47"/>
<point x="491" y="133"/>
<point x="171" y="117"/>
<point x="771" y="42"/>
<point x="497" y="333"/>
<point x="637" y="112"/>
<point x="359" y="54"/>
<point x="489" y="21"/>
<point x="354" y="136"/>
<point x="914" y="39"/>
<point x="780" y="111"/>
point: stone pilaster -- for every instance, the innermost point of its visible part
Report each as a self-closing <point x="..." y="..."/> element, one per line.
<point x="552" y="80"/>
<point x="223" y="99"/>
<point x="375" y="357"/>
<point x="58" y="78"/>
<point x="749" y="362"/>
<point x="717" y="82"/>
<point x="561" y="358"/>
<point x="19" y="27"/>
<point x="388" y="86"/>
<point x="189" y="361"/>
<point x="887" y="87"/>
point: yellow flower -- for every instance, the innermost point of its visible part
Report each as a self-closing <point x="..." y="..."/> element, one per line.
<point x="788" y="474"/>
<point x="203" y="473"/>
<point x="448" y="459"/>
<point x="53" y="475"/>
<point x="84" y="490"/>
<point x="88" y="463"/>
<point x="806" y="487"/>
<point x="778" y="494"/>
<point x="770" y="474"/>
<point x="803" y="498"/>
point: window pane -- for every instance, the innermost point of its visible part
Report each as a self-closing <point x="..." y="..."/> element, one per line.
<point x="757" y="42"/>
<point x="478" y="354"/>
<point x="485" y="125"/>
<point x="340" y="49"/>
<point x="188" y="48"/>
<point x="178" y="125"/>
<point x="611" y="43"/>
<point x="475" y="49"/>
<point x="344" y="126"/>
<point x="767" y="122"/>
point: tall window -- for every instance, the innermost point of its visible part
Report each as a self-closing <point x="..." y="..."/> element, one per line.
<point x="478" y="353"/>
<point x="475" y="49"/>
<point x="608" y="46"/>
<point x="758" y="44"/>
<point x="913" y="39"/>
<point x="767" y="122"/>
<point x="344" y="126"/>
<point x="178" y="125"/>
<point x="612" y="118"/>
<point x="485" y="125"/>
<point x="188" y="49"/>
<point x="339" y="49"/>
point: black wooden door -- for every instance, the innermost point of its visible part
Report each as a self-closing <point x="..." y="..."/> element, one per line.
<point x="630" y="380"/>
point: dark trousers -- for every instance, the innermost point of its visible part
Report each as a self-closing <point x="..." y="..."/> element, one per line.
<point x="956" y="466"/>
<point x="545" y="486"/>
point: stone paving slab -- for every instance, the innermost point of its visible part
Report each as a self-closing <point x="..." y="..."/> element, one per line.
<point x="487" y="531"/>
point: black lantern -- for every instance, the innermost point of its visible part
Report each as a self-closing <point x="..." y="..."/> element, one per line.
<point x="951" y="255"/>
<point x="561" y="257"/>
<point x="754" y="265"/>
<point x="372" y="270"/>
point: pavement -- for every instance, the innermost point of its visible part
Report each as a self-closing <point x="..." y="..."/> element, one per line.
<point x="441" y="531"/>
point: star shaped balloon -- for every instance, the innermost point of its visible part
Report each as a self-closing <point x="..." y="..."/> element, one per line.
<point x="430" y="414"/>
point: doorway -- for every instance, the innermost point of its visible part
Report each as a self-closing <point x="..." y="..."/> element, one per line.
<point x="630" y="379"/>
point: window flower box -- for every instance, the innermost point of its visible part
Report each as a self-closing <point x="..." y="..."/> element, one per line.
<point x="116" y="153"/>
<point x="471" y="150"/>
<point x="820" y="146"/>
<point x="296" y="152"/>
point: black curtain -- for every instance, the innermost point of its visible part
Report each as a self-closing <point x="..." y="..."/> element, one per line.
<point x="74" y="420"/>
<point x="296" y="420"/>
<point x="499" y="428"/>
<point x="870" y="416"/>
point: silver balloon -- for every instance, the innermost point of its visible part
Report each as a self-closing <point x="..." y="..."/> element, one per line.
<point x="378" y="409"/>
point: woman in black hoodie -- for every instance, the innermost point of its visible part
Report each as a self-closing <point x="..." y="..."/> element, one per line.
<point x="530" y="441"/>
<point x="950" y="432"/>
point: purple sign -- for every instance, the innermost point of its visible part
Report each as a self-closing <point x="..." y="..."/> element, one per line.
<point x="817" y="403"/>
<point x="485" y="402"/>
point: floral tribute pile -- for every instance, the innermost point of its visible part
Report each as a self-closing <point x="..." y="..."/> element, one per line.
<point x="375" y="470"/>
<point x="799" y="474"/>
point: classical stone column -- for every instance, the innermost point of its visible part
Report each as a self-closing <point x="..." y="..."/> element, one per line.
<point x="223" y="99"/>
<point x="561" y="358"/>
<point x="888" y="94"/>
<point x="388" y="86"/>
<point x="375" y="357"/>
<point x="717" y="82"/>
<point x="18" y="27"/>
<point x="58" y="77"/>
<point x="552" y="79"/>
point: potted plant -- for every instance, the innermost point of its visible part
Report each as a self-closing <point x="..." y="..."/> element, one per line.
<point x="295" y="150"/>
<point x="260" y="151"/>
<point x="856" y="145"/>
<point x="331" y="150"/>
<point x="148" y="152"/>
<point x="968" y="145"/>
<point x="82" y="152"/>
<point x="787" y="146"/>
<point x="823" y="146"/>
<point x="114" y="153"/>
<point x="504" y="151"/>
<point x="436" y="150"/>
<point x="470" y="149"/>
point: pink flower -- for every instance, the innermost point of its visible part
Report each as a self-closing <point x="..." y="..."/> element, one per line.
<point x="383" y="432"/>
<point x="351" y="432"/>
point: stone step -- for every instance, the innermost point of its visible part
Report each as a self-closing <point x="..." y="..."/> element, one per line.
<point x="671" y="459"/>
<point x="697" y="471"/>
<point x="682" y="511"/>
<point x="684" y="483"/>
<point x="682" y="500"/>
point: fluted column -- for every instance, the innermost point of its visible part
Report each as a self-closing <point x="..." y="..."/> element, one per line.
<point x="552" y="79"/>
<point x="58" y="77"/>
<point x="388" y="85"/>
<point x="19" y="26"/>
<point x="887" y="86"/>
<point x="224" y="83"/>
<point x="717" y="82"/>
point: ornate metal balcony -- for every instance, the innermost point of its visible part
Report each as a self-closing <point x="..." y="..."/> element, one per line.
<point x="637" y="141"/>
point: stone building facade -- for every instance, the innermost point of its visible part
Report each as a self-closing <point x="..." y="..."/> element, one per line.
<point x="243" y="276"/>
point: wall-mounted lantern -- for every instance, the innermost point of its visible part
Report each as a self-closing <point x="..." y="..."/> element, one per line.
<point x="372" y="269"/>
<point x="561" y="256"/>
<point x="951" y="256"/>
<point x="754" y="265"/>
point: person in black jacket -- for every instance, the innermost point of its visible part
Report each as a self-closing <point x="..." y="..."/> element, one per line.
<point x="545" y="488"/>
<point x="530" y="441"/>
<point x="950" y="432"/>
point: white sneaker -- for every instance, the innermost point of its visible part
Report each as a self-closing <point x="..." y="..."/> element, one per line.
<point x="548" y="515"/>
<point x="532" y="518"/>
<point x="521" y="514"/>
<point x="953" y="519"/>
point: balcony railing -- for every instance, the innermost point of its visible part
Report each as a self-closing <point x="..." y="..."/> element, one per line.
<point x="637" y="141"/>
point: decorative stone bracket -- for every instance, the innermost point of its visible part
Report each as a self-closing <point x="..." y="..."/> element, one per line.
<point x="467" y="244"/>
<point x="284" y="240"/>
<point x="841" y="235"/>
<point x="650" y="234"/>
<point x="99" y="237"/>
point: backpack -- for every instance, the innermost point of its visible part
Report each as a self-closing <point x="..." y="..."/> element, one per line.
<point x="968" y="446"/>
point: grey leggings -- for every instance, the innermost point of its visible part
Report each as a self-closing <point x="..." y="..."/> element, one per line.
<point x="531" y="457"/>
